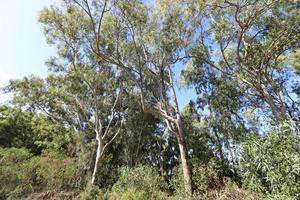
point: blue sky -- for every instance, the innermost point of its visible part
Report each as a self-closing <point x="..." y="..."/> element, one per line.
<point x="23" y="48"/>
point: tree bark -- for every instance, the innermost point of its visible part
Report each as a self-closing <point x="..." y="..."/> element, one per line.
<point x="98" y="157"/>
<point x="271" y="102"/>
<point x="187" y="175"/>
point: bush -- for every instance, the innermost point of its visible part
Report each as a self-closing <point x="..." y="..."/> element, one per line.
<point x="21" y="173"/>
<point x="270" y="165"/>
<point x="204" y="176"/>
<point x="142" y="182"/>
<point x="17" y="172"/>
<point x="91" y="192"/>
<point x="56" y="171"/>
<point x="230" y="191"/>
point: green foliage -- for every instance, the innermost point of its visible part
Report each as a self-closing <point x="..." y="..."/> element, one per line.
<point x="17" y="172"/>
<point x="131" y="194"/>
<point x="15" y="128"/>
<point x="205" y="176"/>
<point x="36" y="132"/>
<point x="50" y="135"/>
<point x="142" y="182"/>
<point x="293" y="60"/>
<point x="137" y="143"/>
<point x="56" y="171"/>
<point x="90" y="193"/>
<point x="270" y="165"/>
<point x="177" y="181"/>
<point x="21" y="173"/>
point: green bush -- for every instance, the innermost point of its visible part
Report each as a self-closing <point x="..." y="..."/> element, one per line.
<point x="91" y="192"/>
<point x="142" y="182"/>
<point x="270" y="165"/>
<point x="204" y="176"/>
<point x="230" y="191"/>
<point x="21" y="173"/>
<point x="17" y="172"/>
<point x="56" y="171"/>
<point x="177" y="182"/>
<point x="132" y="193"/>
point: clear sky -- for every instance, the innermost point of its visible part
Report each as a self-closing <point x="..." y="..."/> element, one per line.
<point x="23" y="48"/>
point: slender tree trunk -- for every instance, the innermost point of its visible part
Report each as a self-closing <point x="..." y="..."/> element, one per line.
<point x="187" y="175"/>
<point x="98" y="157"/>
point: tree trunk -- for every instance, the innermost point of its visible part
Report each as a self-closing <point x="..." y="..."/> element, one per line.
<point x="283" y="107"/>
<point x="98" y="157"/>
<point x="269" y="99"/>
<point x="187" y="175"/>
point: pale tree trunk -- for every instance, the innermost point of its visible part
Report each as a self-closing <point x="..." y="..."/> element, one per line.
<point x="98" y="157"/>
<point x="187" y="175"/>
<point x="100" y="137"/>
<point x="284" y="107"/>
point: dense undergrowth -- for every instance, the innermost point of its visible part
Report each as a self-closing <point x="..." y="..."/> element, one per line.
<point x="268" y="169"/>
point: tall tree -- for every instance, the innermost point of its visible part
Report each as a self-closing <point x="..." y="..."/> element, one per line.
<point x="81" y="93"/>
<point x="143" y="41"/>
<point x="250" y="40"/>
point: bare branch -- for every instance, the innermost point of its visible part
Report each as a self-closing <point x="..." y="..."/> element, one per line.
<point x="112" y="114"/>
<point x="114" y="137"/>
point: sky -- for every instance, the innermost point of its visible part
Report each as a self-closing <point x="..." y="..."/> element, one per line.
<point x="23" y="47"/>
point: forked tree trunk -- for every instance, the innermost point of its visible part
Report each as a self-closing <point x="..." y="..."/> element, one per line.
<point x="187" y="175"/>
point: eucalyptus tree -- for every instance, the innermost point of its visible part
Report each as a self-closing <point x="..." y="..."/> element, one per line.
<point x="95" y="85"/>
<point x="143" y="40"/>
<point x="216" y="116"/>
<point x="80" y="91"/>
<point x="68" y="100"/>
<point x="250" y="41"/>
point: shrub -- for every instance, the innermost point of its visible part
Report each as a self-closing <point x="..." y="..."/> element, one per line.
<point x="142" y="182"/>
<point x="21" y="173"/>
<point x="204" y="176"/>
<point x="270" y="165"/>
<point x="91" y="192"/>
<point x="17" y="172"/>
<point x="230" y="191"/>
<point x="56" y="171"/>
